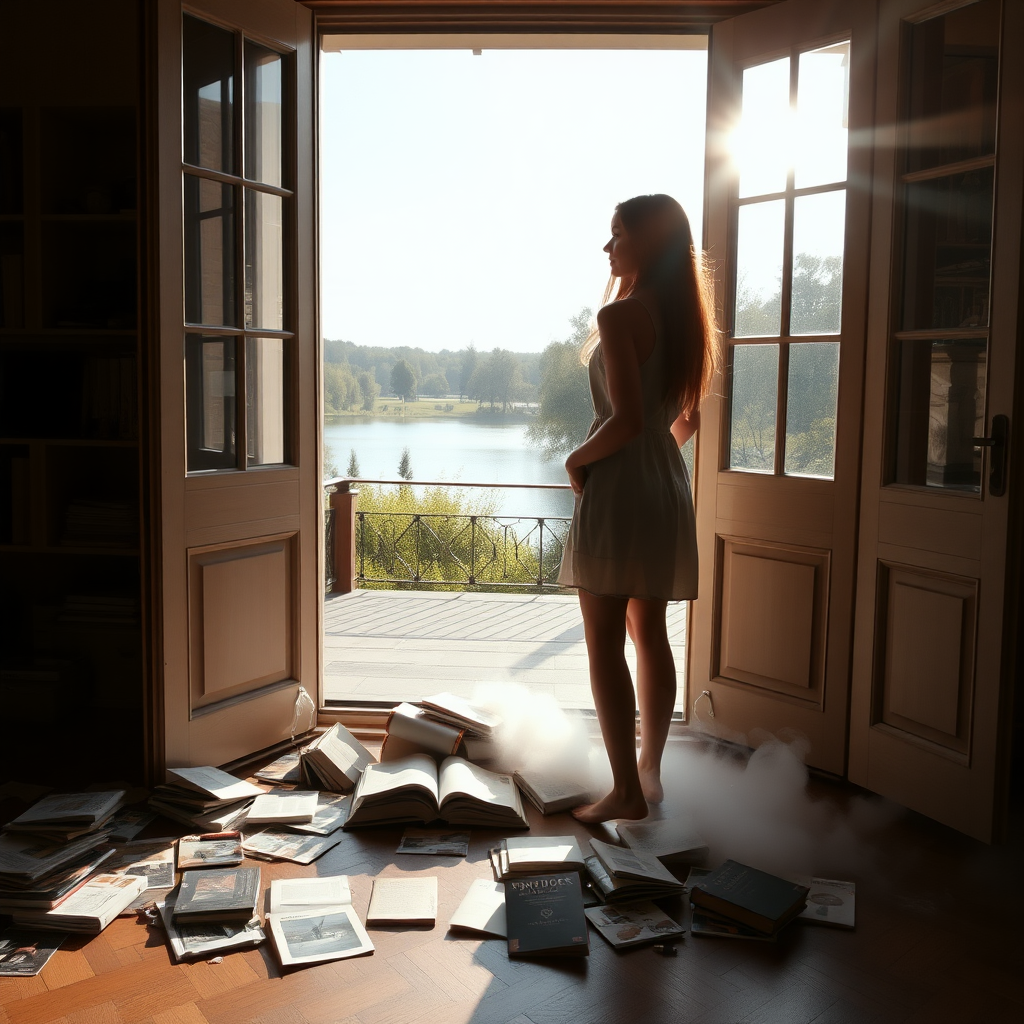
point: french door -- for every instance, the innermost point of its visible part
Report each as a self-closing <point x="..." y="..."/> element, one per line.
<point x="787" y="215"/>
<point x="237" y="350"/>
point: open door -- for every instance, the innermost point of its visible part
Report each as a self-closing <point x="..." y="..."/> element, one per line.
<point x="786" y="225"/>
<point x="238" y="505"/>
<point x="930" y="721"/>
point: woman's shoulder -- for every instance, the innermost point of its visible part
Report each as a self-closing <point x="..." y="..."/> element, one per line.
<point x="631" y="311"/>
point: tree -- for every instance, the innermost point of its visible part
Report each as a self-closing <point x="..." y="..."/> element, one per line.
<point x="566" y="410"/>
<point x="369" y="389"/>
<point x="405" y="465"/>
<point x="341" y="391"/>
<point x="353" y="464"/>
<point x="467" y="364"/>
<point x="435" y="384"/>
<point x="403" y="380"/>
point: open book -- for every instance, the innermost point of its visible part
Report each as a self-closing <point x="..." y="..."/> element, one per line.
<point x="312" y="920"/>
<point x="415" y="789"/>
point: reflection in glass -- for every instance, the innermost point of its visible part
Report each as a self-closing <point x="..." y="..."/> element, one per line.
<point x="948" y="251"/>
<point x="210" y="412"/>
<point x="763" y="139"/>
<point x="953" y="68"/>
<point x="755" y="386"/>
<point x="208" y="66"/>
<point x="262" y="114"/>
<point x="822" y="115"/>
<point x="819" y="233"/>
<point x="264" y="261"/>
<point x="759" y="239"/>
<point x="209" y="252"/>
<point x="812" y="393"/>
<point x="265" y="400"/>
<point x="941" y="409"/>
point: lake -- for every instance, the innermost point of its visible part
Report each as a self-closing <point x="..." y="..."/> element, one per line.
<point x="456" y="450"/>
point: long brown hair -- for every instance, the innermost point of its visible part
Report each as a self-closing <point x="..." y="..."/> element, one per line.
<point x="672" y="268"/>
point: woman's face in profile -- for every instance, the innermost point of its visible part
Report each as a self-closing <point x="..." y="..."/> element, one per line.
<point x="622" y="254"/>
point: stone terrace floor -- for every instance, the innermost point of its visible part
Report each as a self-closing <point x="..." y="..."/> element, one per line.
<point x="403" y="645"/>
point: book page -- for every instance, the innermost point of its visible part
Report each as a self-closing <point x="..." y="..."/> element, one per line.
<point x="217" y="783"/>
<point x="460" y="778"/>
<point x="458" y="707"/>
<point x="294" y="894"/>
<point x="416" y="770"/>
<point x="632" y="863"/>
<point x="482" y="909"/>
<point x="284" y="805"/>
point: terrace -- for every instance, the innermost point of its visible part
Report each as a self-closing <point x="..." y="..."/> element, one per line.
<point x="420" y="603"/>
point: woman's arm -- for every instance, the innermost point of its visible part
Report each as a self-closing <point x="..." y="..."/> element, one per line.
<point x="617" y="323"/>
<point x="685" y="427"/>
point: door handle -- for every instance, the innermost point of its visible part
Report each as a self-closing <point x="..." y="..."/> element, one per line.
<point x="997" y="441"/>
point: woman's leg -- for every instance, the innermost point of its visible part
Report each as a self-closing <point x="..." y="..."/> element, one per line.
<point x="604" y="624"/>
<point x="656" y="688"/>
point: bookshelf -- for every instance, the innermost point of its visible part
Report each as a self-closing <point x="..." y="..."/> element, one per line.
<point x="71" y="480"/>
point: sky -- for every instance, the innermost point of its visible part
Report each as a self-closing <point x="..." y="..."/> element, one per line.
<point x="466" y="199"/>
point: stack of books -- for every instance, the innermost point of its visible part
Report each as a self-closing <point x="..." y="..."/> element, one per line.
<point x="205" y="798"/>
<point x="673" y="841"/>
<point x="50" y="850"/>
<point x="738" y="901"/>
<point x="443" y="724"/>
<point x="623" y="875"/>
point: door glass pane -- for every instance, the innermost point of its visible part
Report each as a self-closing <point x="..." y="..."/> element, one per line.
<point x="952" y="87"/>
<point x="762" y="144"/>
<point x="265" y="400"/>
<point x="941" y="408"/>
<point x="262" y="114"/>
<point x="208" y="72"/>
<point x="209" y="252"/>
<point x="819" y="232"/>
<point x="210" y="402"/>
<point x="948" y="251"/>
<point x="822" y="110"/>
<point x="264" y="261"/>
<point x="755" y="388"/>
<point x="812" y="392"/>
<point x="759" y="239"/>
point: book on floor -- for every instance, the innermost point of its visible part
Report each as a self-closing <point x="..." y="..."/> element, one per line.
<point x="830" y="901"/>
<point x="645" y="867"/>
<point x="210" y="850"/>
<point x="672" y="840"/>
<point x="434" y="842"/>
<point x="613" y="889"/>
<point x="482" y="910"/>
<point x="312" y="920"/>
<point x="221" y="894"/>
<point x="278" y="844"/>
<point x="334" y="761"/>
<point x="25" y="859"/>
<point x="545" y="917"/>
<point x="410" y="900"/>
<point x="287" y="769"/>
<point x="550" y="793"/>
<point x="534" y="855"/>
<point x="633" y="924"/>
<point x="751" y="897"/>
<point x="62" y="813"/>
<point x="705" y="925"/>
<point x="283" y="806"/>
<point x="25" y="951"/>
<point x="410" y="730"/>
<point x="212" y="782"/>
<point x="90" y="908"/>
<point x="331" y="814"/>
<point x="415" y="789"/>
<point x="191" y="939"/>
<point x="46" y="892"/>
<point x="449" y="707"/>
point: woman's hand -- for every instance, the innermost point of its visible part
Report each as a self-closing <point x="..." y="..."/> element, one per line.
<point x="577" y="474"/>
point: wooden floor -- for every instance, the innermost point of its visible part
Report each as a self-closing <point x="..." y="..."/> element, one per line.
<point x="938" y="941"/>
<point x="390" y="644"/>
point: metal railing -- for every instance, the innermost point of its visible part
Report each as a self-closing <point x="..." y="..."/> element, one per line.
<point x="440" y="550"/>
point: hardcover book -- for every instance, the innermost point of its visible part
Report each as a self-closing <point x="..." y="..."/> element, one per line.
<point x="545" y="917"/>
<point x="221" y="894"/>
<point x="410" y="900"/>
<point x="550" y="794"/>
<point x="213" y="782"/>
<point x="673" y="840"/>
<point x="613" y="889"/>
<point x="448" y="707"/>
<point x="334" y="761"/>
<point x="414" y="789"/>
<point x="750" y="897"/>
<point x="68" y="810"/>
<point x="210" y="850"/>
<point x="532" y="855"/>
<point x="625" y="863"/>
<point x="191" y="939"/>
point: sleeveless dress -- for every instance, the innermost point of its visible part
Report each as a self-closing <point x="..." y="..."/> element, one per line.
<point x="633" y="531"/>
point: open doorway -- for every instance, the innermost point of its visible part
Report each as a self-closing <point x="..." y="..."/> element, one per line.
<point x="465" y="196"/>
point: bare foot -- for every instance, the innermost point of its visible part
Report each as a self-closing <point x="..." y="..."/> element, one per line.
<point x="650" y="783"/>
<point x="611" y="806"/>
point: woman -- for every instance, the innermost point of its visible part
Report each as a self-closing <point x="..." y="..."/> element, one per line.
<point x="632" y="546"/>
